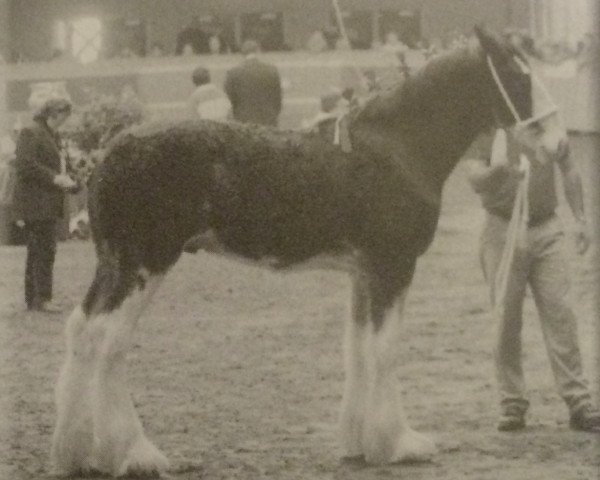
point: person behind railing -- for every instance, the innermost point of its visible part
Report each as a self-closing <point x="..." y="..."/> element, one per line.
<point x="208" y="101"/>
<point x="194" y="36"/>
<point x="317" y="43"/>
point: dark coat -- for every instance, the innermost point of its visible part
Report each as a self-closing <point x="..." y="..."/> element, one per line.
<point x="194" y="36"/>
<point x="37" y="163"/>
<point x="254" y="90"/>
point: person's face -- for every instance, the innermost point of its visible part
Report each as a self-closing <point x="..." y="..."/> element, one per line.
<point x="56" y="120"/>
<point x="546" y="136"/>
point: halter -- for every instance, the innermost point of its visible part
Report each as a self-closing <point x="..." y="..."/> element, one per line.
<point x="519" y="122"/>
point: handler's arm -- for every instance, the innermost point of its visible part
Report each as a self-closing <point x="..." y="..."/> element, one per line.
<point x="482" y="176"/>
<point x="574" y="196"/>
<point x="572" y="184"/>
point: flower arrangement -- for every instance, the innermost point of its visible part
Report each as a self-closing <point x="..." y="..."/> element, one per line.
<point x="84" y="138"/>
<point x="94" y="124"/>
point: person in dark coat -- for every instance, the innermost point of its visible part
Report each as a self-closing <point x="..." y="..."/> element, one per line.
<point x="40" y="195"/>
<point x="254" y="89"/>
<point x="194" y="36"/>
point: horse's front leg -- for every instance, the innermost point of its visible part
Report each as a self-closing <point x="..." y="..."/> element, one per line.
<point x="352" y="416"/>
<point x="387" y="436"/>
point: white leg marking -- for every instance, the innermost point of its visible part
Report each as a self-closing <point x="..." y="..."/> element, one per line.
<point x="353" y="404"/>
<point x="97" y="426"/>
<point x="120" y="446"/>
<point x="387" y="437"/>
<point x="73" y="436"/>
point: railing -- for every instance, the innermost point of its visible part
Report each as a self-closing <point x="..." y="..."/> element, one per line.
<point x="164" y="84"/>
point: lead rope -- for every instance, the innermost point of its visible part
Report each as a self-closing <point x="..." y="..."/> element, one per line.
<point x="516" y="236"/>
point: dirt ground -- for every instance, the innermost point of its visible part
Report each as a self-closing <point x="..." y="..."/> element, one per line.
<point x="237" y="372"/>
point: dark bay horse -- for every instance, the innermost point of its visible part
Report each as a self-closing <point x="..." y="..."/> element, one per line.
<point x="280" y="198"/>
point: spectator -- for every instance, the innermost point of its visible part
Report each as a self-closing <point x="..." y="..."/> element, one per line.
<point x="540" y="263"/>
<point x="156" y="50"/>
<point x="393" y="44"/>
<point x="316" y="42"/>
<point x="214" y="44"/>
<point x="40" y="196"/>
<point x="188" y="51"/>
<point x="254" y="89"/>
<point x="331" y="34"/>
<point x="194" y="36"/>
<point x="207" y="101"/>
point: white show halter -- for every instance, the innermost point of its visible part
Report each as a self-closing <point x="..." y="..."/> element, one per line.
<point x="516" y="234"/>
<point x="521" y="123"/>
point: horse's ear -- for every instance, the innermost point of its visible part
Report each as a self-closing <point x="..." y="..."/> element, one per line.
<point x="489" y="43"/>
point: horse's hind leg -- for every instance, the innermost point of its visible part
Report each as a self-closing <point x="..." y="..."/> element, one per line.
<point x="73" y="438"/>
<point x="120" y="444"/>
<point x="97" y="426"/>
<point x="387" y="437"/>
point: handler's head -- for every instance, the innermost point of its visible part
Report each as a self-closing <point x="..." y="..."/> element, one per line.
<point x="54" y="111"/>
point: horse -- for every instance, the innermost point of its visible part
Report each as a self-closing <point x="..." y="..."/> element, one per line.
<point x="280" y="199"/>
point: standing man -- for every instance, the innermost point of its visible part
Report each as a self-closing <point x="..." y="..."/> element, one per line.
<point x="40" y="196"/>
<point x="254" y="89"/>
<point x="540" y="263"/>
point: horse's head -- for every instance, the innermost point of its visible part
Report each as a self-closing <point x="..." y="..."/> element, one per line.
<point x="521" y="102"/>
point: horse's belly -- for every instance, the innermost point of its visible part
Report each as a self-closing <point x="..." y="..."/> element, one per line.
<point x="209" y="243"/>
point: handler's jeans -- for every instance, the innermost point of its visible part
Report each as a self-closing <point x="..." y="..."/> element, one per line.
<point x="41" y="250"/>
<point x="542" y="265"/>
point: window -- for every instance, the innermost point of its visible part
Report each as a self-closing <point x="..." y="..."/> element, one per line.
<point x="86" y="39"/>
<point x="266" y="28"/>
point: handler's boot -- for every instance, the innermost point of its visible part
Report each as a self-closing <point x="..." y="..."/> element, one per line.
<point x="512" y="419"/>
<point x="585" y="419"/>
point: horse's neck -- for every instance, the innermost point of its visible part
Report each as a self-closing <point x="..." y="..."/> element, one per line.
<point x="429" y="122"/>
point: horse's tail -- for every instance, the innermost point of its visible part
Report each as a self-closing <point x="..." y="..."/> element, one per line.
<point x="145" y="200"/>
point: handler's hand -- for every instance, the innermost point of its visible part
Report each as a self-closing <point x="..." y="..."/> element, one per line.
<point x="582" y="238"/>
<point x="64" y="181"/>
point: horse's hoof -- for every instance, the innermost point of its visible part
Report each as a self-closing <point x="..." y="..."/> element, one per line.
<point x="143" y="460"/>
<point x="414" y="447"/>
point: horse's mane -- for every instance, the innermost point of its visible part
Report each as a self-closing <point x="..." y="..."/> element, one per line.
<point x="387" y="102"/>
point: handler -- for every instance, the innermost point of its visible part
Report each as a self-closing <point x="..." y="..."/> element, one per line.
<point x="40" y="196"/>
<point x="540" y="263"/>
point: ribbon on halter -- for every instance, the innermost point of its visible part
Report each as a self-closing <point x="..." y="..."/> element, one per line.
<point x="341" y="134"/>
